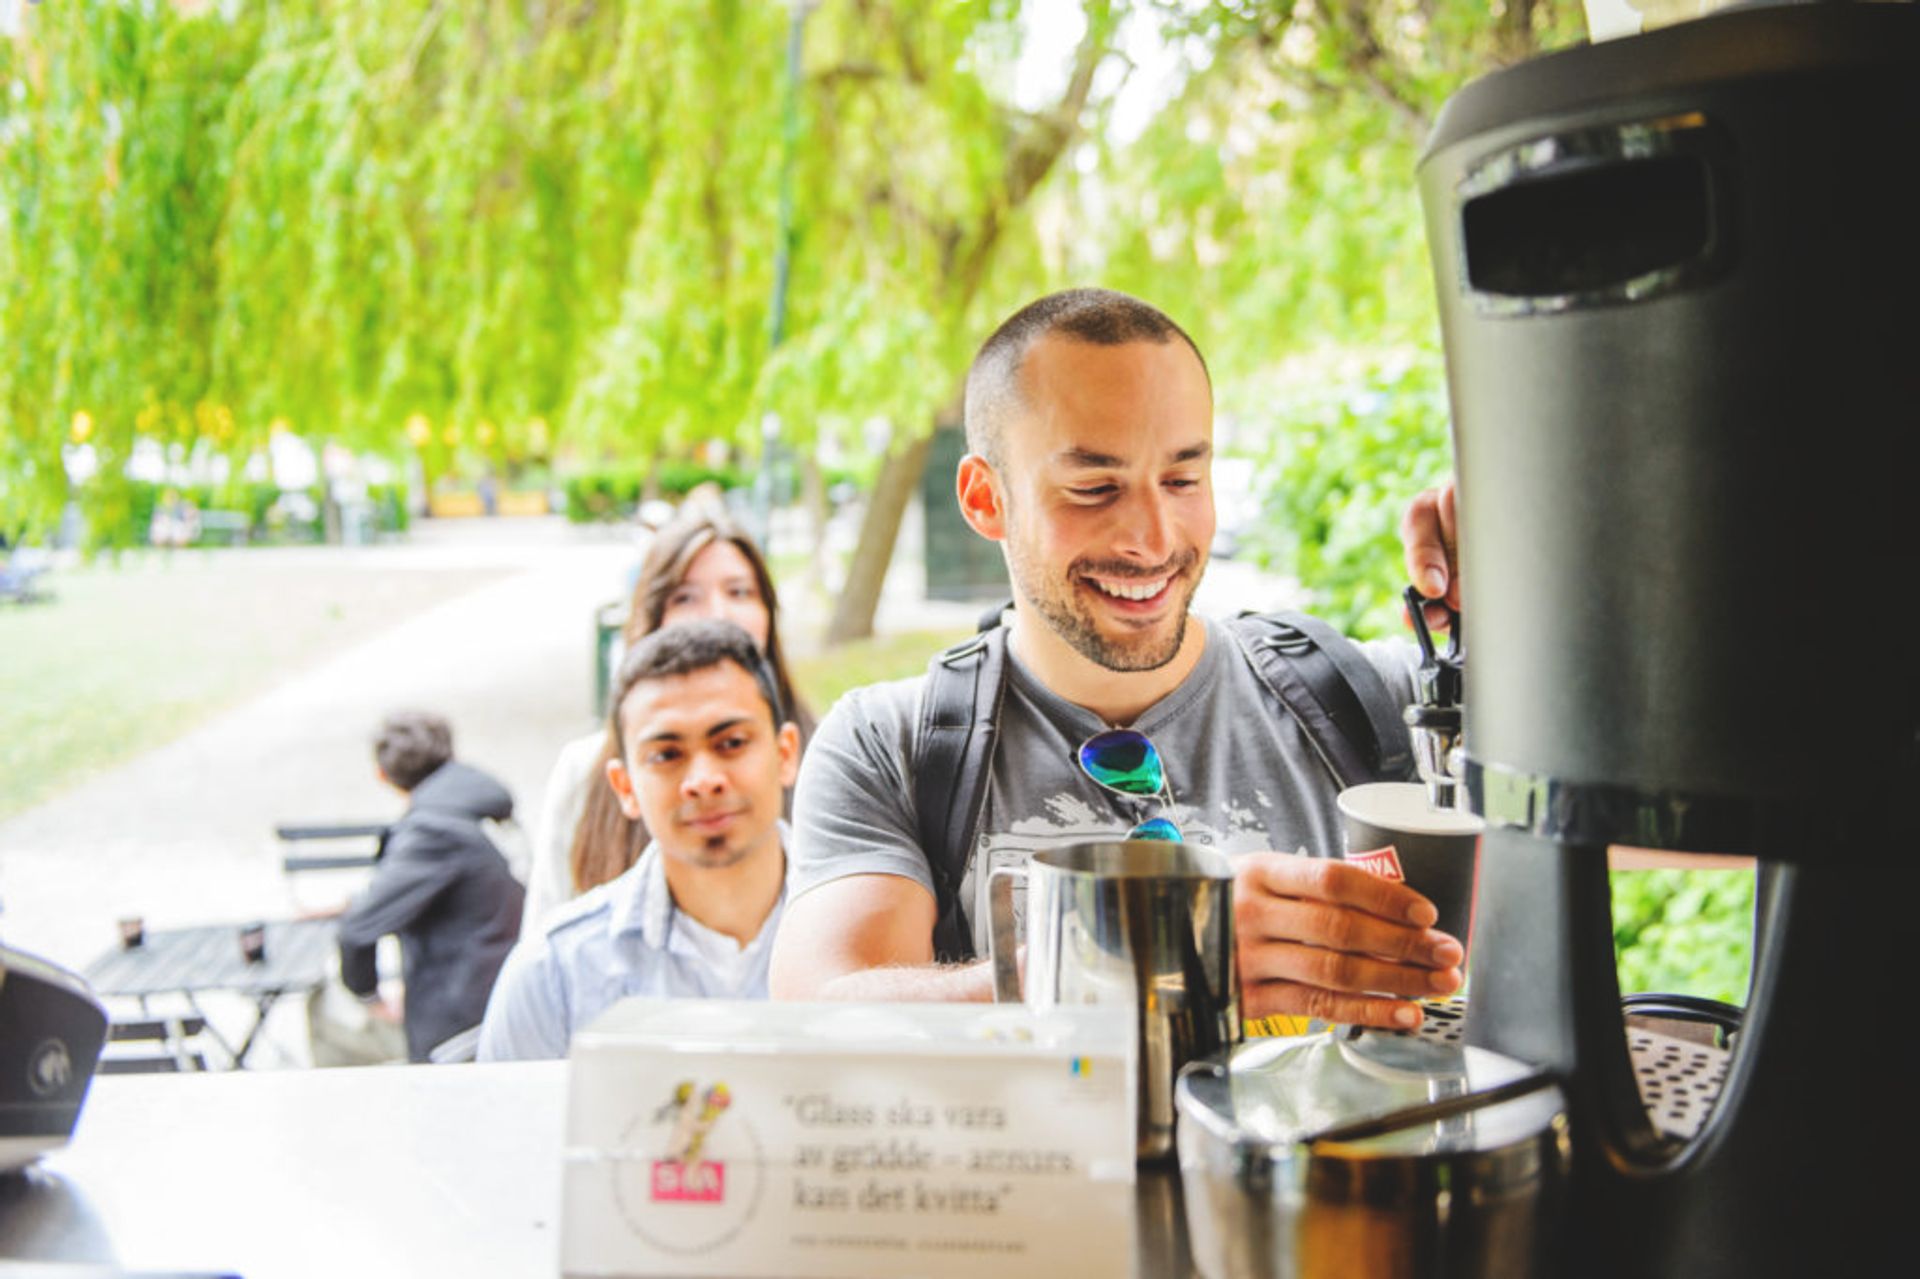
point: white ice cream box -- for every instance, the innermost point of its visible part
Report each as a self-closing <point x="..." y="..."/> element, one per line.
<point x="844" y="1140"/>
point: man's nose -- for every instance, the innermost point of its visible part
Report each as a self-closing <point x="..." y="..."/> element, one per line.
<point x="1148" y="532"/>
<point x="704" y="775"/>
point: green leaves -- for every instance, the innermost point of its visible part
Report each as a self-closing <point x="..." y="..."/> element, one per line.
<point x="1343" y="438"/>
<point x="490" y="232"/>
<point x="1685" y="932"/>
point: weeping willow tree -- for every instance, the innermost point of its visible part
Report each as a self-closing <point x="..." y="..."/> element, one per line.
<point x="398" y="226"/>
<point x="496" y="230"/>
<point x="1273" y="206"/>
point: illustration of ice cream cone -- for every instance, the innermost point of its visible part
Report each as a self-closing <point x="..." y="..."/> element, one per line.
<point x="711" y="1106"/>
<point x="682" y="1094"/>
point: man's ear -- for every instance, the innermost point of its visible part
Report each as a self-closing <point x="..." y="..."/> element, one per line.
<point x="622" y="783"/>
<point x="788" y="742"/>
<point x="982" y="502"/>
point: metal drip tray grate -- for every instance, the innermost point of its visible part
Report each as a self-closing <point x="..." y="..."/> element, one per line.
<point x="1679" y="1079"/>
<point x="1446" y="1020"/>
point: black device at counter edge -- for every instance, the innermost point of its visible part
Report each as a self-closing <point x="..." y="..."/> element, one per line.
<point x="51" y="1033"/>
<point x="1676" y="279"/>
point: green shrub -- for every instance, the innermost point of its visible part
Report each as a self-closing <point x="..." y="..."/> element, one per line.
<point x="614" y="493"/>
<point x="1684" y="931"/>
<point x="1351" y="440"/>
<point x="389" y="507"/>
<point x="602" y="495"/>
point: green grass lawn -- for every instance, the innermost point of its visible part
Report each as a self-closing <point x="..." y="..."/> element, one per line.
<point x="128" y="657"/>
<point x="823" y="676"/>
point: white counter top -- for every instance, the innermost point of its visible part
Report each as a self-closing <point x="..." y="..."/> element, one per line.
<point x="404" y="1171"/>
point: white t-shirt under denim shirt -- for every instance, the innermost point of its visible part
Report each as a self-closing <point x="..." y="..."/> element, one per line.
<point x="623" y="938"/>
<point x="1245" y="778"/>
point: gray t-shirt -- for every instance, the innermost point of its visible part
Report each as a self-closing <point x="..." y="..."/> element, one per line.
<point x="1244" y="776"/>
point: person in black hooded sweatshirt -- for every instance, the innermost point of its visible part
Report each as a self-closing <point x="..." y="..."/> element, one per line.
<point x="439" y="883"/>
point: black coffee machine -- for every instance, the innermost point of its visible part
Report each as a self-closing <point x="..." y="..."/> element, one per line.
<point x="1679" y="281"/>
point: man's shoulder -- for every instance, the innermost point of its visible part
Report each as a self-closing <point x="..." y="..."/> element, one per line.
<point x="580" y="921"/>
<point x="877" y="713"/>
<point x="436" y="835"/>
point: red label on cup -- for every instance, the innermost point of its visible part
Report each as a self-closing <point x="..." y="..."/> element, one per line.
<point x="1384" y="862"/>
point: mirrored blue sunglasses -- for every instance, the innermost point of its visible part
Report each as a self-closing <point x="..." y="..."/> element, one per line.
<point x="1127" y="762"/>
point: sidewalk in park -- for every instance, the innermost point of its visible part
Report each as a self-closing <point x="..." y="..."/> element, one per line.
<point x="183" y="834"/>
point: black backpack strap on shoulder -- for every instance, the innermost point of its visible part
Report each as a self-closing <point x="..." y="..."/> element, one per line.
<point x="959" y="721"/>
<point x="1330" y="687"/>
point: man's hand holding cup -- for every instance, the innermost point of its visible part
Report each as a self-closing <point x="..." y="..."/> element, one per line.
<point x="1331" y="940"/>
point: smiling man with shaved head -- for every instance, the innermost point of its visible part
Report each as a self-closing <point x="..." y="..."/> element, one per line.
<point x="1089" y="418"/>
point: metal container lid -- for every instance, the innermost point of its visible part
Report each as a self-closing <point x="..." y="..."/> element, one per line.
<point x="1284" y="1102"/>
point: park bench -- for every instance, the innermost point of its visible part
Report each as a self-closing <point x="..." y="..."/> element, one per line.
<point x="20" y="572"/>
<point x="224" y="528"/>
<point x="156" y="1045"/>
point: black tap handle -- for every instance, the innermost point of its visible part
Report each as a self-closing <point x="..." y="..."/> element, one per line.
<point x="1440" y="673"/>
<point x="1417" y="610"/>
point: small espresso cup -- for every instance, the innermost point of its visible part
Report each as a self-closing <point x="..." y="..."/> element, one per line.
<point x="1389" y="829"/>
<point x="133" y="932"/>
<point x="253" y="942"/>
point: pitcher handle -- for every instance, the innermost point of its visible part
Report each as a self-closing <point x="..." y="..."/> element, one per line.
<point x="1001" y="947"/>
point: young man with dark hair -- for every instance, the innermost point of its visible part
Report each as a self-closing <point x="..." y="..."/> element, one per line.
<point x="439" y="883"/>
<point x="1090" y="419"/>
<point x="703" y="755"/>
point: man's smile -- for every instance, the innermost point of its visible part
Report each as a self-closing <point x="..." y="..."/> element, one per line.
<point x="712" y="821"/>
<point x="1130" y="589"/>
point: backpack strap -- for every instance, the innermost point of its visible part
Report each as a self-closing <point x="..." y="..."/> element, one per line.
<point x="959" y="723"/>
<point x="1332" y="691"/>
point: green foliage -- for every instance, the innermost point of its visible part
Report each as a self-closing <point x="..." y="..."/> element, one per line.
<point x="1686" y="932"/>
<point x="390" y="513"/>
<point x="1273" y="207"/>
<point x="493" y="234"/>
<point x="254" y="500"/>
<point x="613" y="494"/>
<point x="1350" y="437"/>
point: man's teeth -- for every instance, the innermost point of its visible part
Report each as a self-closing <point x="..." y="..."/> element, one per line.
<point x="1135" y="591"/>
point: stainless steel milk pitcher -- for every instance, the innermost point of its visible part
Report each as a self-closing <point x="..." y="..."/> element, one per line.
<point x="1144" y="924"/>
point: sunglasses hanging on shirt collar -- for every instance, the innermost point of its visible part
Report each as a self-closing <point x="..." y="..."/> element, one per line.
<point x="1128" y="763"/>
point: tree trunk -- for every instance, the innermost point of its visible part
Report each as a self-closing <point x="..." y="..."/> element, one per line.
<point x="879" y="529"/>
<point x="813" y="494"/>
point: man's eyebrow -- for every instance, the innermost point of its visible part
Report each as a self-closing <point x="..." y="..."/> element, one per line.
<point x="1087" y="457"/>
<point x="1090" y="458"/>
<point x="727" y="724"/>
<point x="667" y="735"/>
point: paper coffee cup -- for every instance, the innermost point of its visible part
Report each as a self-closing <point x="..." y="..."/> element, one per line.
<point x="1389" y="829"/>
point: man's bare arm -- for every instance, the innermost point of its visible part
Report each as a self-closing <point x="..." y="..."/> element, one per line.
<point x="867" y="937"/>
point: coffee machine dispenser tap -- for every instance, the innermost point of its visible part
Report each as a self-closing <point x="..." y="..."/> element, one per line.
<point x="1435" y="717"/>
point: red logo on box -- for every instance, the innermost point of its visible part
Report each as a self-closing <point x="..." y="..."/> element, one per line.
<point x="1384" y="862"/>
<point x="700" y="1183"/>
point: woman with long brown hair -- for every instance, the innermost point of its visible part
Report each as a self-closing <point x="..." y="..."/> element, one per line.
<point x="701" y="564"/>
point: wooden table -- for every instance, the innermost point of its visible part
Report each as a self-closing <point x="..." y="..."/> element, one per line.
<point x="413" y="1172"/>
<point x="192" y="961"/>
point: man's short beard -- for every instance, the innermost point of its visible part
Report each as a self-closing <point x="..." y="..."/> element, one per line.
<point x="1078" y="629"/>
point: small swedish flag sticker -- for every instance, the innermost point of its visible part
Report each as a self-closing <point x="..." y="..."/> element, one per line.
<point x="1080" y="1066"/>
